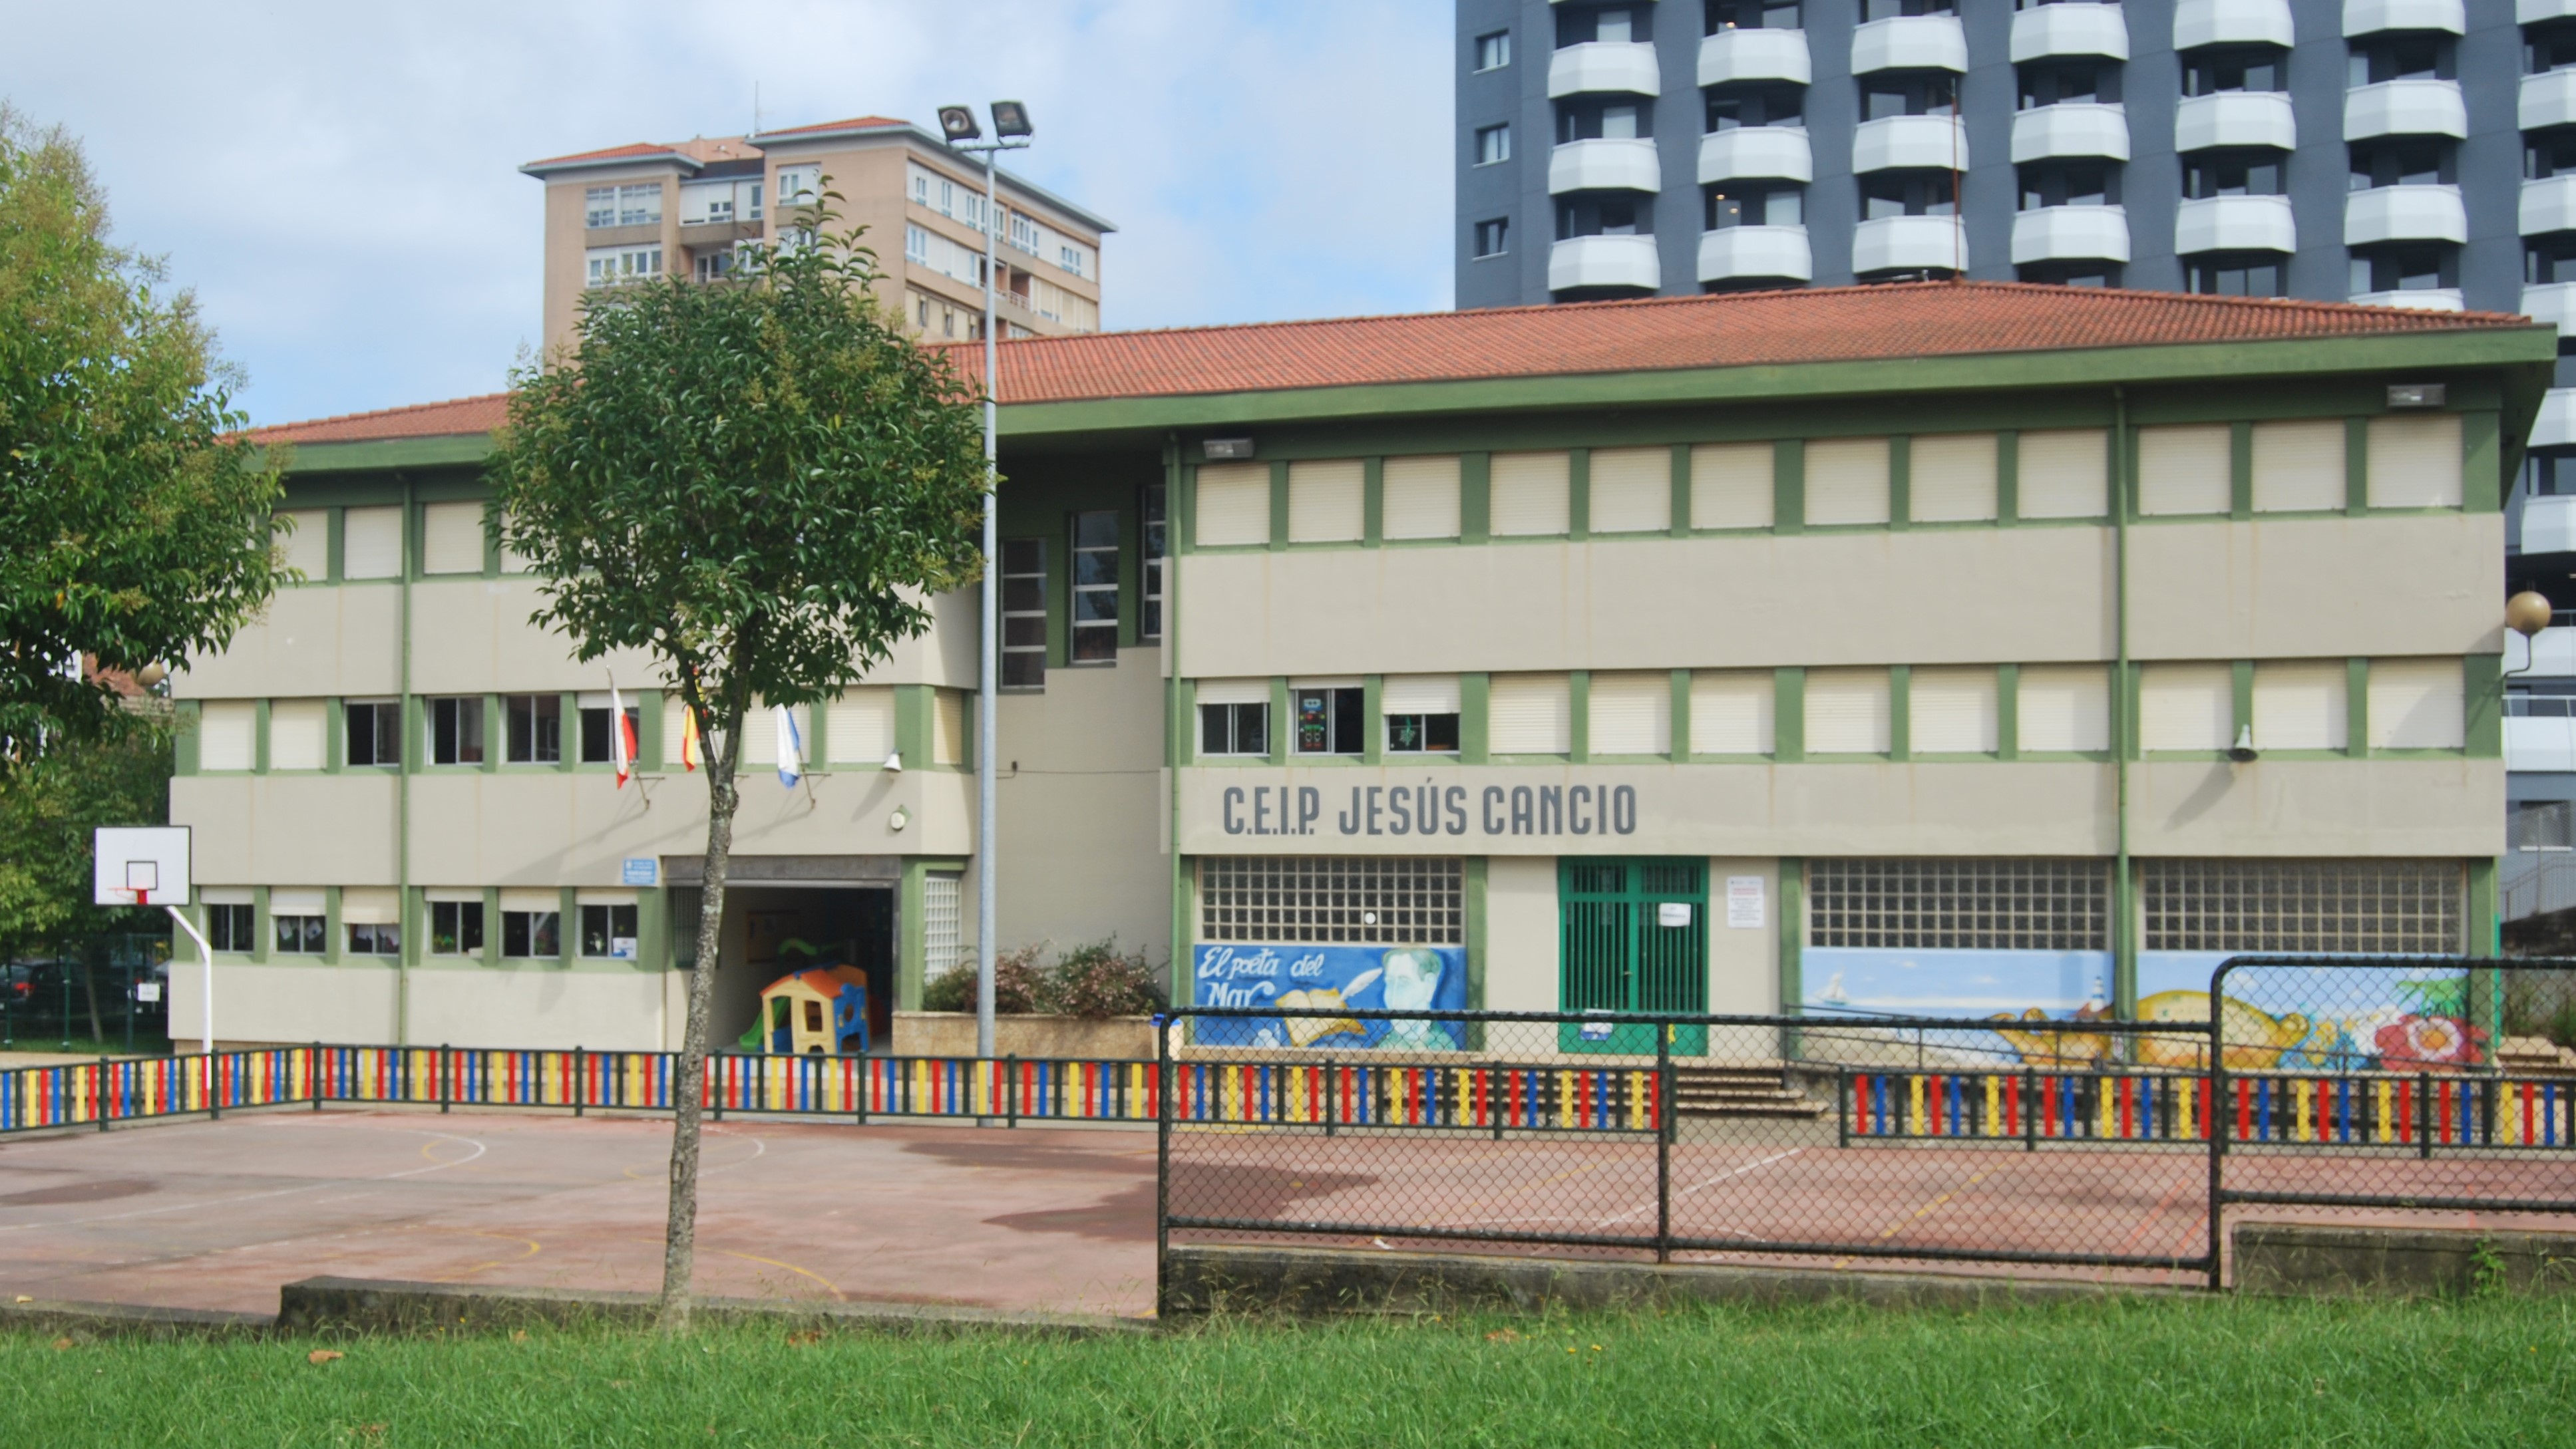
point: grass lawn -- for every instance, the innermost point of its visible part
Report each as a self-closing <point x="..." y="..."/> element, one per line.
<point x="2489" y="1371"/>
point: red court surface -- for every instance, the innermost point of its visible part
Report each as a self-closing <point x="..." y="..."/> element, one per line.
<point x="218" y="1214"/>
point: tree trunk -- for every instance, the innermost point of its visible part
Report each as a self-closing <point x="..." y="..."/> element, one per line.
<point x="680" y="1232"/>
<point x="89" y="983"/>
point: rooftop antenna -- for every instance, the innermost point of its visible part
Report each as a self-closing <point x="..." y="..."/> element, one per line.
<point x="755" y="108"/>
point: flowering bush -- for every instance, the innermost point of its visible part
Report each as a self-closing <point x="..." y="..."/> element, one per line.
<point x="1017" y="985"/>
<point x="1093" y="981"/>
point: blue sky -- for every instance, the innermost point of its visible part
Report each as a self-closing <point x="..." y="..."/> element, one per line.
<point x="338" y="183"/>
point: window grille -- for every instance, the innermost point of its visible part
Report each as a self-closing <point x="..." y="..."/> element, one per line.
<point x="1328" y="900"/>
<point x="2393" y="906"/>
<point x="939" y="923"/>
<point x="1960" y="904"/>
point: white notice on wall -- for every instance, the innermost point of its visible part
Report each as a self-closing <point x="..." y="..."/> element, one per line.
<point x="147" y="991"/>
<point x="1672" y="913"/>
<point x="1744" y="903"/>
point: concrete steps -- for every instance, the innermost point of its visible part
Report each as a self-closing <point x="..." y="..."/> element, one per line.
<point x="1749" y="1091"/>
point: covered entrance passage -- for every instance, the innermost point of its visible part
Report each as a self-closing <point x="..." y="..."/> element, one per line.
<point x="1632" y="936"/>
<point x="784" y="913"/>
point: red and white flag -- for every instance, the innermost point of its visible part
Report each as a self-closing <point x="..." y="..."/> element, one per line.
<point x="621" y="735"/>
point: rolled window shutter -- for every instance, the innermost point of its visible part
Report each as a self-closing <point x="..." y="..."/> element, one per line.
<point x="760" y="734"/>
<point x="1528" y="494"/>
<point x="858" y="726"/>
<point x="1327" y="501"/>
<point x="1847" y="480"/>
<point x="1631" y="490"/>
<point x="591" y="896"/>
<point x="1848" y="712"/>
<point x="1952" y="711"/>
<point x="298" y="735"/>
<point x="1951" y="478"/>
<point x="451" y="538"/>
<point x="304" y="536"/>
<point x="2186" y="706"/>
<point x="2416" y="704"/>
<point x="2415" y="461"/>
<point x="1233" y="504"/>
<point x="1731" y="712"/>
<point x="2184" y="470"/>
<point x="369" y="906"/>
<point x="1418" y="694"/>
<point x="948" y="717"/>
<point x="2063" y="708"/>
<point x="526" y="900"/>
<point x="2300" y="705"/>
<point x="2063" y="473"/>
<point x="371" y="543"/>
<point x="1419" y="497"/>
<point x="1233" y="691"/>
<point x="226" y="731"/>
<point x="1631" y="714"/>
<point x="2298" y="467"/>
<point x="675" y="716"/>
<point x="1530" y="714"/>
<point x="1732" y="485"/>
<point x="237" y="895"/>
<point x="452" y="895"/>
<point x="298" y="901"/>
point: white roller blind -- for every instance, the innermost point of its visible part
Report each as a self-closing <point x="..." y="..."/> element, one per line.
<point x="1233" y="691"/>
<point x="1631" y="714"/>
<point x="760" y="734"/>
<point x="2183" y="470"/>
<point x="512" y="561"/>
<point x="1631" y="490"/>
<point x="1233" y="504"/>
<point x="452" y="894"/>
<point x="1952" y="711"/>
<point x="2063" y="708"/>
<point x="2299" y="704"/>
<point x="1527" y="494"/>
<point x="371" y="543"/>
<point x="591" y="896"/>
<point x="2298" y="466"/>
<point x="225" y="734"/>
<point x="1415" y="694"/>
<point x="1847" y="480"/>
<point x="531" y="900"/>
<point x="948" y="727"/>
<point x="1327" y="501"/>
<point x="2063" y="473"/>
<point x="369" y="906"/>
<point x="1530" y="714"/>
<point x="1730" y="712"/>
<point x="297" y="735"/>
<point x="296" y="901"/>
<point x="451" y="538"/>
<point x="2416" y="704"/>
<point x="2415" y="461"/>
<point x="1848" y="712"/>
<point x="1732" y="485"/>
<point x="1418" y="498"/>
<point x="1950" y="478"/>
<point x="2186" y="707"/>
<point x="858" y="726"/>
<point x="224" y="895"/>
<point x="304" y="537"/>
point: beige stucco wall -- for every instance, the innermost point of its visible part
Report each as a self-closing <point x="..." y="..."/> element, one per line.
<point x="1520" y="933"/>
<point x="314" y="640"/>
<point x="1080" y="809"/>
<point x="528" y="1005"/>
<point x="352" y="1003"/>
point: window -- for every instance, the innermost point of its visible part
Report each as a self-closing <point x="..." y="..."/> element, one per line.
<point x="2299" y="704"/>
<point x="1903" y="93"/>
<point x="1421" y="714"/>
<point x="1530" y="714"/>
<point x="1891" y="9"/>
<point x="1095" y="587"/>
<point x="611" y="265"/>
<point x="1070" y="258"/>
<point x="298" y="935"/>
<point x="227" y="733"/>
<point x="2537" y="825"/>
<point x="1739" y="204"/>
<point x="1847" y="480"/>
<point x="1529" y="495"/>
<point x="1493" y="144"/>
<point x="1493" y="237"/>
<point x="2063" y="709"/>
<point x="1735" y="108"/>
<point x="231" y="927"/>
<point x="535" y="723"/>
<point x="797" y="184"/>
<point x="2231" y="173"/>
<point x="2411" y="161"/>
<point x="596" y="741"/>
<point x="375" y="732"/>
<point x="1630" y="714"/>
<point x="1956" y="904"/>
<point x="942" y="922"/>
<point x="2397" y="907"/>
<point x="1731" y="712"/>
<point x="2413" y="461"/>
<point x="455" y="928"/>
<point x="1619" y="24"/>
<point x="531" y="935"/>
<point x="1594" y="119"/>
<point x="2416" y="704"/>
<point x="1733" y="485"/>
<point x="2059" y="183"/>
<point x="1234" y="716"/>
<point x="2188" y="707"/>
<point x="1604" y="216"/>
<point x="371" y="543"/>
<point x="2064" y="473"/>
<point x="1327" y="501"/>
<point x="2549" y="259"/>
<point x="1325" y="899"/>
<point x="1907" y="193"/>
<point x="374" y="938"/>
<point x="2210" y="72"/>
<point x="1024" y="622"/>
<point x="2185" y="470"/>
<point x="1751" y="15"/>
<point x="2548" y="153"/>
<point x="1950" y="478"/>
<point x="599" y="206"/>
<point x="1494" y="50"/>
<point x="714" y="264"/>
<point x="1632" y="490"/>
<point x="1149" y="621"/>
<point x="640" y="205"/>
<point x="456" y="730"/>
<point x="2399" y="57"/>
<point x="451" y="538"/>
<point x="2235" y="276"/>
<point x="608" y="932"/>
<point x="2406" y="269"/>
<point x="2299" y="466"/>
<point x="2063" y="84"/>
<point x="1328" y="719"/>
<point x="1848" y="712"/>
<point x="1418" y="497"/>
<point x="299" y="734"/>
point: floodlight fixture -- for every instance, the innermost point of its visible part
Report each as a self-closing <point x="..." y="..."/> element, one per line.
<point x="958" y="122"/>
<point x="1010" y="118"/>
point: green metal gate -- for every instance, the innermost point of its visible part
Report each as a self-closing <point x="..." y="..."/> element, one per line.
<point x="1632" y="936"/>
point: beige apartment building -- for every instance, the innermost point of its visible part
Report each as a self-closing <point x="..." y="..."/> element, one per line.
<point x="1944" y="649"/>
<point x="682" y="209"/>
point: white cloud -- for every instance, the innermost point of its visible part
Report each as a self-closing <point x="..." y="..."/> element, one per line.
<point x="338" y="182"/>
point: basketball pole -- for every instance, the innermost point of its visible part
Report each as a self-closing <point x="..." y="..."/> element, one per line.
<point x="206" y="954"/>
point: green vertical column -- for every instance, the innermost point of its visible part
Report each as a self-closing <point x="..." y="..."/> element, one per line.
<point x="1475" y="497"/>
<point x="1681" y="505"/>
<point x="1789" y="485"/>
<point x="1278" y="504"/>
<point x="259" y="735"/>
<point x="261" y="932"/>
<point x="1578" y="494"/>
<point x="2482" y="733"/>
<point x="1373" y="501"/>
<point x="1372" y="719"/>
<point x="2124" y="940"/>
<point x="1680" y="748"/>
<point x="1283" y="724"/>
<point x="2356" y="707"/>
<point x="1476" y="932"/>
<point x="2482" y="480"/>
<point x="2240" y="470"/>
<point x="2242" y="681"/>
<point x="1900" y="482"/>
<point x="2356" y="466"/>
<point x="1578" y="688"/>
<point x="911" y="949"/>
<point x="2007" y="477"/>
<point x="567" y="925"/>
<point x="1900" y="711"/>
<point x="1475" y="718"/>
<point x="1789" y="714"/>
<point x="2007" y="711"/>
<point x="331" y="925"/>
<point x="1792" y="928"/>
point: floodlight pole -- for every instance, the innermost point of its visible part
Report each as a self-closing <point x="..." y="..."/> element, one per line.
<point x="206" y="954"/>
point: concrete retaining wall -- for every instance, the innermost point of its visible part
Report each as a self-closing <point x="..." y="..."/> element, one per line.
<point x="2289" y="1258"/>
<point x="952" y="1034"/>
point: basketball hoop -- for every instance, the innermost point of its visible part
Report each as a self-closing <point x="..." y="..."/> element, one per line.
<point x="147" y="866"/>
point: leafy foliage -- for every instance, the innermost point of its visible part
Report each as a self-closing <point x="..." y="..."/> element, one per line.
<point x="48" y="808"/>
<point x="133" y="523"/>
<point x="1095" y="982"/>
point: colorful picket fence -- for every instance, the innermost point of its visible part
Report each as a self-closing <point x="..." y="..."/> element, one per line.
<point x="2427" y="1110"/>
<point x="1533" y="1097"/>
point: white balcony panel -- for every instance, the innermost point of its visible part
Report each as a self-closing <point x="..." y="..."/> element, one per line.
<point x="2237" y="118"/>
<point x="1910" y="243"/>
<point x="1750" y="252"/>
<point x="2549" y="525"/>
<point x="2404" y="213"/>
<point x="2548" y="99"/>
<point x="1756" y="152"/>
<point x="2071" y="233"/>
<point x="2069" y="29"/>
<point x="2548" y="205"/>
<point x="2532" y="12"/>
<point x="2550" y="654"/>
<point x="2532" y="743"/>
<point x="2232" y="22"/>
<point x="2235" y="224"/>
<point x="2553" y="303"/>
<point x="2554" y="428"/>
<point x="1604" y="165"/>
<point x="1935" y="143"/>
<point x="1910" y="42"/>
<point x="2405" y="108"/>
<point x="1604" y="261"/>
<point x="1619" y="67"/>
<point x="2426" y="299"/>
<point x="2070" y="128"/>
<point x="1755" y="55"/>
<point x="2369" y="17"/>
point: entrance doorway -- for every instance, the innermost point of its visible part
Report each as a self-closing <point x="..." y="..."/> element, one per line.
<point x="1632" y="935"/>
<point x="771" y="930"/>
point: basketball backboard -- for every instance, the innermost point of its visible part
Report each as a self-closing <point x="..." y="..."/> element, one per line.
<point x="142" y="865"/>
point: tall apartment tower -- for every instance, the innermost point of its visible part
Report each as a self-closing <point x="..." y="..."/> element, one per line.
<point x="683" y="207"/>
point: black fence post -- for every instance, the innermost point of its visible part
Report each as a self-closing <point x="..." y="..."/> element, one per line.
<point x="2423" y="1114"/>
<point x="1842" y="1104"/>
<point x="214" y="1087"/>
<point x="2219" y="1122"/>
<point x="1332" y="1099"/>
<point x="2029" y="1110"/>
<point x="1163" y="1087"/>
<point x="313" y="1073"/>
<point x="580" y="1079"/>
<point x="98" y="1094"/>
<point x="1665" y="1122"/>
<point x="1011" y="1090"/>
<point x="442" y="1076"/>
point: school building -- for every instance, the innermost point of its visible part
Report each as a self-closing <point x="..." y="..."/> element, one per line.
<point x="1948" y="648"/>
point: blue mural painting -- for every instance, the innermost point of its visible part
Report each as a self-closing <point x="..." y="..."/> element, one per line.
<point x="1330" y="978"/>
<point x="2058" y="984"/>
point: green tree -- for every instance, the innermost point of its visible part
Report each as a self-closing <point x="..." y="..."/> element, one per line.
<point x="760" y="482"/>
<point x="49" y="807"/>
<point x="133" y="523"/>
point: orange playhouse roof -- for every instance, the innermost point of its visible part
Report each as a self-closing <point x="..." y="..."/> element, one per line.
<point x="823" y="981"/>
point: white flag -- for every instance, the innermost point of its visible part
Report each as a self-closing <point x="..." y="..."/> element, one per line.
<point x="621" y="736"/>
<point x="791" y="748"/>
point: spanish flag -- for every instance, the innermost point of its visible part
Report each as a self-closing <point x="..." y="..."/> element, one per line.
<point x="688" y="738"/>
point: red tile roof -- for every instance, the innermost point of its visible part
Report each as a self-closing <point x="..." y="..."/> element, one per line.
<point x="638" y="151"/>
<point x="855" y="123"/>
<point x="462" y="417"/>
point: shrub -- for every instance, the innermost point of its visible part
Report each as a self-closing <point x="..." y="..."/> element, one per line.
<point x="1017" y="985"/>
<point x="1096" y="982"/>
